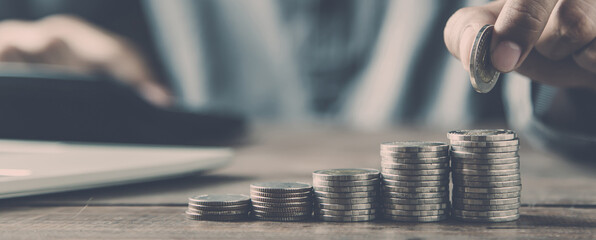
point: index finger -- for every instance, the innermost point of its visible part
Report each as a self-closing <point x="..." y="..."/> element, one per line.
<point x="519" y="25"/>
<point x="463" y="26"/>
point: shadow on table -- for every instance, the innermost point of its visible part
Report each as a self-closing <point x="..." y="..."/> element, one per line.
<point x="533" y="221"/>
<point x="150" y="189"/>
<point x="557" y="221"/>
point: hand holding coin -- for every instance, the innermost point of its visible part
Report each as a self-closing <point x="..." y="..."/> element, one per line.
<point x="549" y="41"/>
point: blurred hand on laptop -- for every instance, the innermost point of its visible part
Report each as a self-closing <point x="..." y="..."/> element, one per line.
<point x="74" y="45"/>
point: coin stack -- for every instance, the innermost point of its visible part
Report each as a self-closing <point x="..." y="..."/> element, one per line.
<point x="415" y="181"/>
<point x="486" y="176"/>
<point x="346" y="195"/>
<point x="218" y="207"/>
<point x="281" y="201"/>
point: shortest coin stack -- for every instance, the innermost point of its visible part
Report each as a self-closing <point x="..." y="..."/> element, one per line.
<point x="346" y="195"/>
<point x="281" y="201"/>
<point x="218" y="207"/>
<point x="415" y="181"/>
<point x="486" y="175"/>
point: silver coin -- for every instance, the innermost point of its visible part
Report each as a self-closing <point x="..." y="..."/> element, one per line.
<point x="508" y="166"/>
<point x="483" y="75"/>
<point x="487" y="190"/>
<point x="484" y="155"/>
<point x="280" y="214"/>
<point x="486" y="207"/>
<point x="485" y="149"/>
<point x="415" y="218"/>
<point x="281" y="200"/>
<point x="414" y="146"/>
<point x="414" y="154"/>
<point x="391" y="200"/>
<point x="414" y="166"/>
<point x="484" y="161"/>
<point x="370" y="182"/>
<point x="345" y="195"/>
<point x="390" y="188"/>
<point x="346" y="200"/>
<point x="258" y="213"/>
<point x="506" y="143"/>
<point x="415" y="183"/>
<point x="457" y="194"/>
<point x="416" y="207"/>
<point x="281" y="187"/>
<point x="281" y="195"/>
<point x="283" y="204"/>
<point x="346" y="189"/>
<point x="389" y="159"/>
<point x="282" y="219"/>
<point x="399" y="177"/>
<point x="345" y="212"/>
<point x="414" y="213"/>
<point x="285" y="209"/>
<point x="345" y="174"/>
<point x="332" y="206"/>
<point x="502" y="201"/>
<point x="482" y="135"/>
<point x="500" y="213"/>
<point x="292" y="208"/>
<point x="488" y="219"/>
<point x="416" y="195"/>
<point x="194" y="216"/>
<point x="219" y="212"/>
<point x="218" y="208"/>
<point x="415" y="172"/>
<point x="360" y="218"/>
<point x="485" y="172"/>
<point x="472" y="178"/>
<point x="219" y="199"/>
<point x="486" y="184"/>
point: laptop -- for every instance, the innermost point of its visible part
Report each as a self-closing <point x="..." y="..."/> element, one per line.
<point x="69" y="132"/>
<point x="39" y="167"/>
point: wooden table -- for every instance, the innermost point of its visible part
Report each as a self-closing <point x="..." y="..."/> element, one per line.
<point x="559" y="196"/>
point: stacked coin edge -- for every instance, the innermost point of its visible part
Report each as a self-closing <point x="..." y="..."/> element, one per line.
<point x="218" y="207"/>
<point x="346" y="195"/>
<point x="486" y="175"/>
<point x="281" y="201"/>
<point x="415" y="181"/>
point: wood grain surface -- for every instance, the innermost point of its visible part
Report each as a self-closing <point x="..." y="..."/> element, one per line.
<point x="559" y="196"/>
<point x="156" y="222"/>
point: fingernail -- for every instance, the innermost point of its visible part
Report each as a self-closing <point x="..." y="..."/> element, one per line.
<point x="505" y="56"/>
<point x="156" y="95"/>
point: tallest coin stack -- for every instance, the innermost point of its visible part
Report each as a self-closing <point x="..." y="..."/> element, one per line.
<point x="486" y="176"/>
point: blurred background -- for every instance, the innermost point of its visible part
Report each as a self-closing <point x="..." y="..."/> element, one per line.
<point x="197" y="72"/>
